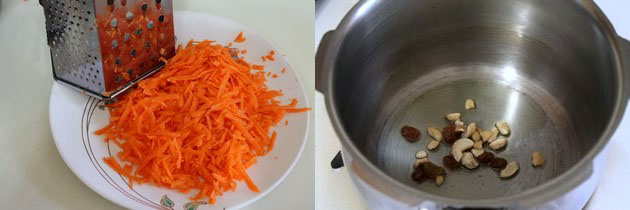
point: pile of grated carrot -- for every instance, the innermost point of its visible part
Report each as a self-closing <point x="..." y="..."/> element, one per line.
<point x="197" y="124"/>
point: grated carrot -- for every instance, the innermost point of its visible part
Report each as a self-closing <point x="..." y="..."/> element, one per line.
<point x="198" y="124"/>
<point x="258" y="67"/>
<point x="284" y="69"/>
<point x="240" y="38"/>
<point x="269" y="55"/>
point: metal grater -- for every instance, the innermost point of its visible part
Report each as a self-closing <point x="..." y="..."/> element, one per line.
<point x="103" y="47"/>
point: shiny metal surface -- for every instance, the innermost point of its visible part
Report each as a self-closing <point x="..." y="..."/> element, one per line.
<point x="550" y="68"/>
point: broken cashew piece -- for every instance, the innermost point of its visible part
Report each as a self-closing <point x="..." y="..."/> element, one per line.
<point x="498" y="143"/>
<point x="477" y="152"/>
<point x="495" y="133"/>
<point x="435" y="133"/>
<point x="470" y="104"/>
<point x="469" y="161"/>
<point x="433" y="144"/>
<point x="478" y="145"/>
<point x="537" y="159"/>
<point x="421" y="154"/>
<point x="503" y="127"/>
<point x="510" y="169"/>
<point x="486" y="135"/>
<point x="458" y="148"/>
<point x="459" y="123"/>
<point x="453" y="116"/>
<point x="417" y="162"/>
<point x="476" y="136"/>
<point x="470" y="130"/>
<point x="439" y="180"/>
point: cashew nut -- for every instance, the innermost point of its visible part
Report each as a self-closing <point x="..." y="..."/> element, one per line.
<point x="420" y="161"/>
<point x="503" y="127"/>
<point x="433" y="144"/>
<point x="439" y="180"/>
<point x="453" y="116"/>
<point x="476" y="136"/>
<point x="510" y="169"/>
<point x="472" y="127"/>
<point x="498" y="143"/>
<point x="459" y="147"/>
<point x="486" y="135"/>
<point x="495" y="133"/>
<point x="460" y="128"/>
<point x="470" y="104"/>
<point x="469" y="161"/>
<point x="537" y="159"/>
<point x="421" y="154"/>
<point x="478" y="145"/>
<point x="459" y="123"/>
<point x="435" y="133"/>
<point x="477" y="152"/>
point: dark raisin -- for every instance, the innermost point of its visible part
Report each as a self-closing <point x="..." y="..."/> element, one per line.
<point x="144" y="7"/>
<point x="450" y="135"/>
<point x="418" y="175"/>
<point x="485" y="158"/>
<point x="498" y="163"/>
<point x="450" y="162"/>
<point x="411" y="134"/>
<point x="161" y="18"/>
<point x="110" y="2"/>
<point x="433" y="170"/>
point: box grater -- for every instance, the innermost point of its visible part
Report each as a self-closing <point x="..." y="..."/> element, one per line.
<point x="103" y="47"/>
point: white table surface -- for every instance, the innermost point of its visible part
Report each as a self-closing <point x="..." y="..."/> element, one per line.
<point x="334" y="189"/>
<point x="33" y="175"/>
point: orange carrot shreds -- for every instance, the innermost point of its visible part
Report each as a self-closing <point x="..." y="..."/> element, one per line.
<point x="269" y="56"/>
<point x="284" y="69"/>
<point x="258" y="67"/>
<point x="263" y="58"/>
<point x="286" y="122"/>
<point x="274" y="76"/>
<point x="240" y="38"/>
<point x="243" y="51"/>
<point x="268" y="74"/>
<point x="197" y="124"/>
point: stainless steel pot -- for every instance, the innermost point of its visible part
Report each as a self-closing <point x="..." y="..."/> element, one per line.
<point x="553" y="69"/>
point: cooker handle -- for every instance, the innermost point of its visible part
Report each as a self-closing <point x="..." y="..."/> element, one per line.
<point x="321" y="67"/>
<point x="624" y="46"/>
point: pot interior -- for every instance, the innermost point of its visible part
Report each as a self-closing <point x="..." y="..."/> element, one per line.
<point x="546" y="67"/>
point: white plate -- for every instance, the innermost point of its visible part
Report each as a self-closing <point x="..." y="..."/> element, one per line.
<point x="75" y="116"/>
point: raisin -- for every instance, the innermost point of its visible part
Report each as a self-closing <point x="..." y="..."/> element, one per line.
<point x="498" y="163"/>
<point x="433" y="170"/>
<point x="418" y="175"/>
<point x="485" y="158"/>
<point x="450" y="162"/>
<point x="411" y="134"/>
<point x="450" y="135"/>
